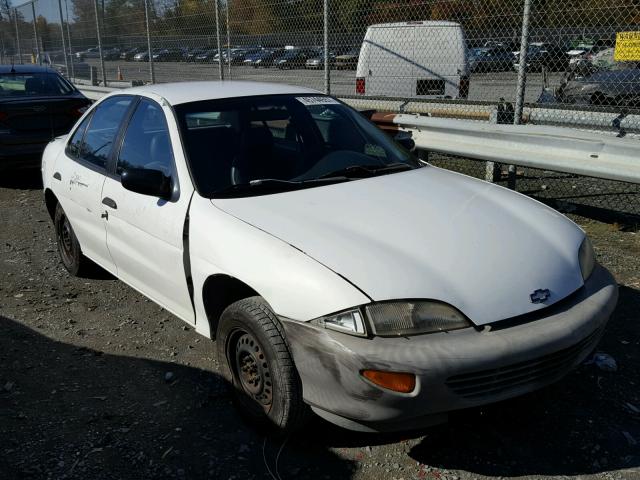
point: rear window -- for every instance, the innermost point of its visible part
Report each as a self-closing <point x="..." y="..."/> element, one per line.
<point x="33" y="85"/>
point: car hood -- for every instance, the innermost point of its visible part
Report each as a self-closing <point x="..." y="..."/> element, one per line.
<point x="428" y="234"/>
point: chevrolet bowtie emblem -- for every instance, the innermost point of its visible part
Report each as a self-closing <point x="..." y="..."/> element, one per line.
<point x="540" y="296"/>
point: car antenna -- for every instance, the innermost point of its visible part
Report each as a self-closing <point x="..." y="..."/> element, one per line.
<point x="13" y="70"/>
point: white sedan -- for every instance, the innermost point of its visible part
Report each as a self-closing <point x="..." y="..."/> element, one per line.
<point x="336" y="271"/>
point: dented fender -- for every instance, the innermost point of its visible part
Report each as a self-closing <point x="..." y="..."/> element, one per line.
<point x="295" y="285"/>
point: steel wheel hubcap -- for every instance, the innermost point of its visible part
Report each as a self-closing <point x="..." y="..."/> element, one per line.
<point x="253" y="370"/>
<point x="66" y="240"/>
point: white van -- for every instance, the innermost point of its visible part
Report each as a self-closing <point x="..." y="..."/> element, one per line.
<point x="423" y="59"/>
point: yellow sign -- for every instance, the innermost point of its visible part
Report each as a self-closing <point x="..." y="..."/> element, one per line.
<point x="627" y="47"/>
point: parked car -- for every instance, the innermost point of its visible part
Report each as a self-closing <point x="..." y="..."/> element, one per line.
<point x="206" y="56"/>
<point x="490" y="59"/>
<point x="294" y="58"/>
<point x="129" y="53"/>
<point x="190" y="55"/>
<point x="311" y="257"/>
<point x="267" y="58"/>
<point x="36" y="105"/>
<point x="168" y="55"/>
<point x="619" y="86"/>
<point x="389" y="65"/>
<point x="143" y="54"/>
<point x="111" y="53"/>
<point x="317" y="61"/>
<point x="58" y="62"/>
<point x="252" y="57"/>
<point x="542" y="55"/>
<point x="348" y="60"/>
<point x="93" y="52"/>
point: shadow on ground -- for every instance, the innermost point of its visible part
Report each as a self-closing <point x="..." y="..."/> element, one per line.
<point x="26" y="179"/>
<point x="70" y="412"/>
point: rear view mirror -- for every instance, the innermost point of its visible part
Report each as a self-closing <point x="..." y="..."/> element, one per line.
<point x="146" y="182"/>
<point x="404" y="139"/>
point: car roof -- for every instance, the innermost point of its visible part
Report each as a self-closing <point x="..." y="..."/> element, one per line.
<point x="185" y="92"/>
<point x="417" y="23"/>
<point x="26" y="69"/>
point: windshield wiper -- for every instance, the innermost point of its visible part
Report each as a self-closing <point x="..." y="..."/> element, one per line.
<point x="359" y="171"/>
<point x="271" y="185"/>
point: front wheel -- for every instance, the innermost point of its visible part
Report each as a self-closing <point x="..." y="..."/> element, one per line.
<point x="258" y="366"/>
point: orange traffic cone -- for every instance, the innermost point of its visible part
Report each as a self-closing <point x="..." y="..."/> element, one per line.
<point x="120" y="77"/>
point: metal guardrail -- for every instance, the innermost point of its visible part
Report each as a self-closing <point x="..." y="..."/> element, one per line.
<point x="565" y="150"/>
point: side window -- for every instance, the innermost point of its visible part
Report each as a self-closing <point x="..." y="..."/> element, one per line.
<point x="75" y="144"/>
<point x="103" y="129"/>
<point x="146" y="143"/>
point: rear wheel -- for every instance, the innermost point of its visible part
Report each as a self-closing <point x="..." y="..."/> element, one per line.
<point x="68" y="246"/>
<point x="258" y="366"/>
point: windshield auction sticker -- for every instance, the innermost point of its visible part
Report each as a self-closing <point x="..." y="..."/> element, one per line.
<point x="309" y="101"/>
<point x="627" y="47"/>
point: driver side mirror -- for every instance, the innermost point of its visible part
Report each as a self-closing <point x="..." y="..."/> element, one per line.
<point x="404" y="139"/>
<point x="147" y="182"/>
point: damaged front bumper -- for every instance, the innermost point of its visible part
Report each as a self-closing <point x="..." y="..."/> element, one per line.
<point x="454" y="370"/>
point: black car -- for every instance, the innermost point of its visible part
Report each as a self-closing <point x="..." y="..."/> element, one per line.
<point x="37" y="104"/>
<point x="295" y="58"/>
<point x="267" y="57"/>
<point x="131" y="52"/>
<point x="491" y="59"/>
<point x="190" y="55"/>
<point x="168" y="55"/>
<point x="543" y="55"/>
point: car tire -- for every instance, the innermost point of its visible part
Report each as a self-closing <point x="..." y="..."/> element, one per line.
<point x="68" y="246"/>
<point x="259" y="368"/>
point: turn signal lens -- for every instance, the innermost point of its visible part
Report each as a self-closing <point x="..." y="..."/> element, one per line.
<point x="398" y="382"/>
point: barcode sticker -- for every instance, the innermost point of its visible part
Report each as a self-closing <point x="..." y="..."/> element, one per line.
<point x="309" y="101"/>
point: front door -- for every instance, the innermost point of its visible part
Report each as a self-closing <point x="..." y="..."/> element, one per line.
<point x="145" y="233"/>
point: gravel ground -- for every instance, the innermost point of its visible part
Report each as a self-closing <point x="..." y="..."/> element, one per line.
<point x="96" y="382"/>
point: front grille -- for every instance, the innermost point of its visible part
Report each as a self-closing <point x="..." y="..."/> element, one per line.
<point x="539" y="370"/>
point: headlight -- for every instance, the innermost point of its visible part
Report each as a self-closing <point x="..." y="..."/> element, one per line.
<point x="347" y="322"/>
<point x="412" y="318"/>
<point x="587" y="258"/>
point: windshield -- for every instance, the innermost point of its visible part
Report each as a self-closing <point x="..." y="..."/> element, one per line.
<point x="288" y="140"/>
<point x="33" y="85"/>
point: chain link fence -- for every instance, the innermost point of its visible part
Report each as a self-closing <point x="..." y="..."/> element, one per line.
<point x="536" y="61"/>
<point x="457" y="54"/>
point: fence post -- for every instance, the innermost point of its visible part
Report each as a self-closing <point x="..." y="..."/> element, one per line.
<point x="15" y="19"/>
<point x="220" y="65"/>
<point x="522" y="79"/>
<point x="152" y="70"/>
<point x="104" y="72"/>
<point x="64" y="43"/>
<point x="35" y="32"/>
<point x="228" y="41"/>
<point x="73" y="72"/>
<point x="327" y="67"/>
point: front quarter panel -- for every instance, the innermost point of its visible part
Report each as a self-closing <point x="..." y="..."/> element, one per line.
<point x="294" y="285"/>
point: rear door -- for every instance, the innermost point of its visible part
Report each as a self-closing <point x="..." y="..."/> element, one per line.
<point x="145" y="234"/>
<point x="79" y="176"/>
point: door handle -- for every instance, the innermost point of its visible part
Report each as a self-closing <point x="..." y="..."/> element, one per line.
<point x="109" y="203"/>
